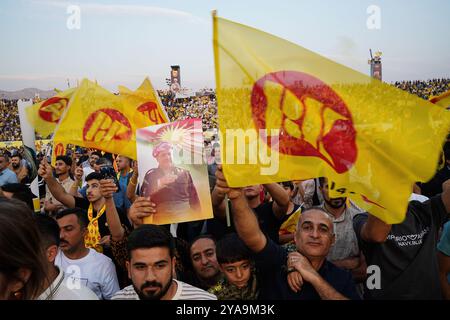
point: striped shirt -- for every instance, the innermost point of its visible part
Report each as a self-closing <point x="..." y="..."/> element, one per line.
<point x="184" y="292"/>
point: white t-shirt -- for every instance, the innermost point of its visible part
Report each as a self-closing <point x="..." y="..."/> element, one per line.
<point x="59" y="290"/>
<point x="86" y="172"/>
<point x="96" y="271"/>
<point x="184" y="292"/>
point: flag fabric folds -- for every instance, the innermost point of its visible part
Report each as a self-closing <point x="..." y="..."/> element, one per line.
<point x="442" y="100"/>
<point x="46" y="114"/>
<point x="99" y="119"/>
<point x="287" y="113"/>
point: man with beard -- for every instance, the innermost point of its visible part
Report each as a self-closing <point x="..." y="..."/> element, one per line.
<point x="83" y="265"/>
<point x="6" y="174"/>
<point x="151" y="252"/>
<point x="19" y="168"/>
<point x="202" y="252"/>
<point x="62" y="169"/>
<point x="345" y="252"/>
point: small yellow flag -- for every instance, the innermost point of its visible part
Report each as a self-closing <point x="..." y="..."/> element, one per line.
<point x="46" y="114"/>
<point x="146" y="101"/>
<point x="287" y="113"/>
<point x="99" y="119"/>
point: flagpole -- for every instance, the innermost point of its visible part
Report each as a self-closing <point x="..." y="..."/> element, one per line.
<point x="28" y="140"/>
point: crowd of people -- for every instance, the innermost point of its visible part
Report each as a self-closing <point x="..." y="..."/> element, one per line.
<point x="287" y="240"/>
<point x="9" y="121"/>
<point x="284" y="241"/>
<point x="425" y="89"/>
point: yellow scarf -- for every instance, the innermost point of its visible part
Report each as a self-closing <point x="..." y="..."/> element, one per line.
<point x="92" y="238"/>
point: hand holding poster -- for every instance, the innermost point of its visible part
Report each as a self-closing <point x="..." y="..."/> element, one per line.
<point x="173" y="175"/>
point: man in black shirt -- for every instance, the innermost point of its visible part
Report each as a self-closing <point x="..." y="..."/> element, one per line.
<point x="405" y="254"/>
<point x="95" y="206"/>
<point x="313" y="238"/>
<point x="271" y="215"/>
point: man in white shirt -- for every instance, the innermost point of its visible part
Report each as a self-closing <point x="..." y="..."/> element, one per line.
<point x="83" y="265"/>
<point x="151" y="250"/>
<point x="93" y="157"/>
<point x="56" y="287"/>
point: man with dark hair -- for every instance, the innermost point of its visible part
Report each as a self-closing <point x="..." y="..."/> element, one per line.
<point x="202" y="252"/>
<point x="151" y="252"/>
<point x="57" y="287"/>
<point x="239" y="282"/>
<point x="19" y="168"/>
<point x="96" y="205"/>
<point x="19" y="191"/>
<point x="62" y="169"/>
<point x="6" y="174"/>
<point x="93" y="157"/>
<point x="345" y="252"/>
<point x="125" y="172"/>
<point x="83" y="265"/>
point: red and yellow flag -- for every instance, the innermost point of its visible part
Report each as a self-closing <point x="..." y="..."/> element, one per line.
<point x="442" y="100"/>
<point x="287" y="113"/>
<point x="146" y="101"/>
<point x="99" y="119"/>
<point x="46" y="114"/>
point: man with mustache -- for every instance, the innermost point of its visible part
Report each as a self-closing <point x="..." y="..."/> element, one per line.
<point x="18" y="167"/>
<point x="202" y="252"/>
<point x="345" y="252"/>
<point x="62" y="169"/>
<point x="83" y="265"/>
<point x="318" y="278"/>
<point x="151" y="252"/>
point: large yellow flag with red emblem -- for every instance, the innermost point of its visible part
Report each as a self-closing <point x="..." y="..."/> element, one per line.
<point x="46" y="114"/>
<point x="99" y="119"/>
<point x="287" y="113"/>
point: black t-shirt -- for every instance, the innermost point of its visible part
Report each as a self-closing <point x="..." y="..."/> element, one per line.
<point x="407" y="260"/>
<point x="272" y="277"/>
<point x="268" y="222"/>
<point x="102" y="225"/>
<point x="434" y="186"/>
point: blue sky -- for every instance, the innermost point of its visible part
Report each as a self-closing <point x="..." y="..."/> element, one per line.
<point x="121" y="42"/>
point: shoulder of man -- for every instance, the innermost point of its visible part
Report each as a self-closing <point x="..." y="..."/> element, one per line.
<point x="127" y="293"/>
<point x="189" y="292"/>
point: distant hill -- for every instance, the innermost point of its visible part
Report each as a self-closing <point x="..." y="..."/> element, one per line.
<point x="28" y="93"/>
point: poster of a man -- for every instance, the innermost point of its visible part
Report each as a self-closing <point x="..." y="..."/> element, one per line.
<point x="170" y="187"/>
<point x="179" y="190"/>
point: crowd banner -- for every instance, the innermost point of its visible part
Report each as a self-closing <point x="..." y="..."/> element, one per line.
<point x="28" y="138"/>
<point x="287" y="113"/>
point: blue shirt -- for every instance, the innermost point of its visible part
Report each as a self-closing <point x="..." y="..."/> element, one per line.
<point x="444" y="244"/>
<point x="7" y="176"/>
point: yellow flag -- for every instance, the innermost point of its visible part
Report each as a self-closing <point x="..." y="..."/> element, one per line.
<point x="146" y="101"/>
<point x="287" y="113"/>
<point x="99" y="119"/>
<point x="46" y="114"/>
<point x="442" y="100"/>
